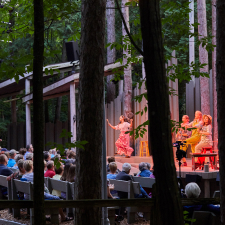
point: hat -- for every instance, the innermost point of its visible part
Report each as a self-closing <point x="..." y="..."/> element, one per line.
<point x="4" y="150"/>
<point x="208" y="117"/>
<point x="13" y="151"/>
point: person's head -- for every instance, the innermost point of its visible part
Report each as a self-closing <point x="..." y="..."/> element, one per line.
<point x="192" y="190"/>
<point x="50" y="165"/>
<point x="29" y="156"/>
<point x="18" y="157"/>
<point x="29" y="148"/>
<point x="54" y="151"/>
<point x="207" y="119"/>
<point x="20" y="165"/>
<point x="148" y="165"/>
<point x="6" y="153"/>
<point x="122" y="118"/>
<point x="12" y="153"/>
<point x="47" y="156"/>
<point x="112" y="167"/>
<point x="65" y="172"/>
<point x="22" y="151"/>
<point x="198" y="115"/>
<point x="28" y="165"/>
<point x="50" y="151"/>
<point x="111" y="159"/>
<point x="185" y="119"/>
<point x="142" y="166"/>
<point x="3" y="159"/>
<point x="71" y="154"/>
<point x="71" y="174"/>
<point x="59" y="170"/>
<point x="126" y="168"/>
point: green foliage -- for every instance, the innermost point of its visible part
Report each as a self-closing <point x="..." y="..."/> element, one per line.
<point x="187" y="220"/>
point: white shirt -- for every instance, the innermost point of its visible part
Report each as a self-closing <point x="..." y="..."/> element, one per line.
<point x="125" y="126"/>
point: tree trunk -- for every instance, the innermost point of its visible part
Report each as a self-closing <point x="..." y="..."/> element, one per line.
<point x="220" y="83"/>
<point x="203" y="58"/>
<point x="59" y="99"/>
<point x="90" y="109"/>
<point x="215" y="124"/>
<point x="169" y="210"/>
<point x="111" y="54"/>
<point x="38" y="115"/>
<point x="127" y="98"/>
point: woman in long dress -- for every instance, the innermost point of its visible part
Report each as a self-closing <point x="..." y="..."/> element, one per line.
<point x="122" y="143"/>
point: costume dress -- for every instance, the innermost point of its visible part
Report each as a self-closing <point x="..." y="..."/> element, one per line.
<point x="195" y="136"/>
<point x="122" y="143"/>
<point x="180" y="136"/>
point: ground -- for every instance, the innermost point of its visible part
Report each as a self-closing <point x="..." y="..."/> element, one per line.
<point x="25" y="219"/>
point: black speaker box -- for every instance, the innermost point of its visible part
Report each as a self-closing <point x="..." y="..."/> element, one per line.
<point x="72" y="51"/>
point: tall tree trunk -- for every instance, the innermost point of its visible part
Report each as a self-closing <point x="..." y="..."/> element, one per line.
<point x="38" y="115"/>
<point x="59" y="99"/>
<point x="168" y="206"/>
<point x="215" y="124"/>
<point x="203" y="58"/>
<point x="111" y="53"/>
<point x="220" y="83"/>
<point x="127" y="98"/>
<point x="90" y="109"/>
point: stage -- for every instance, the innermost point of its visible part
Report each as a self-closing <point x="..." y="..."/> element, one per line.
<point x="207" y="184"/>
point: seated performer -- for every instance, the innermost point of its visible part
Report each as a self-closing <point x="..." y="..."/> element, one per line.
<point x="195" y="136"/>
<point x="206" y="135"/>
<point x="122" y="143"/>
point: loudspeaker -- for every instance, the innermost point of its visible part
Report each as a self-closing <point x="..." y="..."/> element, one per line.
<point x="72" y="51"/>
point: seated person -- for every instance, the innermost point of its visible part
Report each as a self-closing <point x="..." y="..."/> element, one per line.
<point x="30" y="156"/>
<point x="47" y="156"/>
<point x="5" y="171"/>
<point x="71" y="157"/>
<point x="112" y="175"/>
<point x="11" y="161"/>
<point x="110" y="159"/>
<point x="144" y="170"/>
<point x="124" y="175"/>
<point x="50" y="170"/>
<point x="22" y="151"/>
<point x="17" y="158"/>
<point x="58" y="175"/>
<point x="192" y="190"/>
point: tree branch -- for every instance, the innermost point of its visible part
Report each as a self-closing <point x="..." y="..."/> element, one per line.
<point x="128" y="33"/>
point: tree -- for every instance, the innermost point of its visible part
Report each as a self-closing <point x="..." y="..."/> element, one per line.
<point x="215" y="124"/>
<point x="38" y="115"/>
<point x="111" y="53"/>
<point x="127" y="98"/>
<point x="168" y="203"/>
<point x="203" y="57"/>
<point x="90" y="109"/>
<point x="220" y="83"/>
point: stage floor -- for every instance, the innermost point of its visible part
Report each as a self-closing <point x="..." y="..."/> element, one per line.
<point x="135" y="160"/>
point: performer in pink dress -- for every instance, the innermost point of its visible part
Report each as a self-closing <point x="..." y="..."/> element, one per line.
<point x="122" y="143"/>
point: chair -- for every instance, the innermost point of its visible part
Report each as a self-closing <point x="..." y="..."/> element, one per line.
<point x="216" y="194"/>
<point x="203" y="218"/>
<point x="144" y="145"/>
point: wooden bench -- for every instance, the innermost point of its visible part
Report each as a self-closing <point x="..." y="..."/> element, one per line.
<point x="194" y="155"/>
<point x="131" y="188"/>
<point x="7" y="184"/>
<point x="27" y="188"/>
<point x="216" y="194"/>
<point x="59" y="185"/>
<point x="144" y="181"/>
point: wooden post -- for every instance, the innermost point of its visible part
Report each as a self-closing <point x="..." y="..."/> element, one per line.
<point x="191" y="39"/>
<point x="28" y="114"/>
<point x="72" y="112"/>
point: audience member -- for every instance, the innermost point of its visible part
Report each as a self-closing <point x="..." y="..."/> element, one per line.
<point x="22" y="151"/>
<point x="65" y="172"/>
<point x="110" y="159"/>
<point x="17" y="158"/>
<point x="30" y="156"/>
<point x="11" y="161"/>
<point x="50" y="170"/>
<point x="58" y="175"/>
<point x="18" y="174"/>
<point x="45" y="166"/>
<point x="144" y="171"/>
<point x="47" y="156"/>
<point x="29" y="149"/>
<point x="71" y="157"/>
<point x="7" y="154"/>
<point x="112" y="169"/>
<point x="71" y="174"/>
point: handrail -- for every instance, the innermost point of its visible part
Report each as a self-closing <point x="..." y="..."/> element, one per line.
<point x="102" y="202"/>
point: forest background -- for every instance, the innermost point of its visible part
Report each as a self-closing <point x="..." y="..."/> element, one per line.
<point x="62" y="24"/>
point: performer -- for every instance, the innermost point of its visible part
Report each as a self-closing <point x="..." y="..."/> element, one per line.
<point x="183" y="134"/>
<point x="195" y="136"/>
<point x="206" y="135"/>
<point x="122" y="143"/>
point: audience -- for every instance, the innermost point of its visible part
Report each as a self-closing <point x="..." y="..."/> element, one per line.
<point x="29" y="156"/>
<point x="71" y="174"/>
<point x="66" y="170"/>
<point x="47" y="156"/>
<point x="144" y="170"/>
<point x="22" y="151"/>
<point x="112" y="168"/>
<point x="50" y="170"/>
<point x="11" y="161"/>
